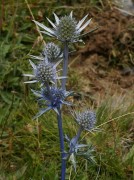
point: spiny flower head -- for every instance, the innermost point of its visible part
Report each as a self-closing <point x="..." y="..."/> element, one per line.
<point x="66" y="29"/>
<point x="86" y="119"/>
<point x="52" y="52"/>
<point x="56" y="96"/>
<point x="44" y="73"/>
<point x="53" y="98"/>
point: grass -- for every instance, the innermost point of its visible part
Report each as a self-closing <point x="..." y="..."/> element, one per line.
<point x="30" y="149"/>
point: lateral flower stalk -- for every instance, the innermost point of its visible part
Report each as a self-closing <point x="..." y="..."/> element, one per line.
<point x="74" y="141"/>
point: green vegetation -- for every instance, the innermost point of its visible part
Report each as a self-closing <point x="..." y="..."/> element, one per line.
<point x="30" y="149"/>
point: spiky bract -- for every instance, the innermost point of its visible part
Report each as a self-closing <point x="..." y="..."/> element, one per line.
<point x="53" y="98"/>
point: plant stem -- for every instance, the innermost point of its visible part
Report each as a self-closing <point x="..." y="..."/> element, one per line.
<point x="61" y="136"/>
<point x="65" y="64"/>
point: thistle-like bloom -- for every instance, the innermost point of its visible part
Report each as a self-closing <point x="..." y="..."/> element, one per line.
<point x="53" y="98"/>
<point x="43" y="73"/>
<point x="66" y="29"/>
<point x="86" y="119"/>
<point x="52" y="52"/>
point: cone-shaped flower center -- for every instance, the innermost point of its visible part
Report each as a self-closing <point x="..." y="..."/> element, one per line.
<point x="44" y="73"/>
<point x="66" y="30"/>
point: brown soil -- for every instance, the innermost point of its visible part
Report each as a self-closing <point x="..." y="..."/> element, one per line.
<point x="106" y="63"/>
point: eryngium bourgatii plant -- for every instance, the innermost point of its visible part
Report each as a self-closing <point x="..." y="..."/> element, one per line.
<point x="52" y="95"/>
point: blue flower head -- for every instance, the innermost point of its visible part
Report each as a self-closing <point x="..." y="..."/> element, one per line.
<point x="65" y="29"/>
<point x="44" y="73"/>
<point x="53" y="98"/>
<point x="85" y="119"/>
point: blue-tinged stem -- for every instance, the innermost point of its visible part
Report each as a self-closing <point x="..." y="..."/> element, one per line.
<point x="61" y="136"/>
<point x="65" y="64"/>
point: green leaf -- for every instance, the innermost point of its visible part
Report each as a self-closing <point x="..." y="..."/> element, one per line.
<point x="4" y="49"/>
